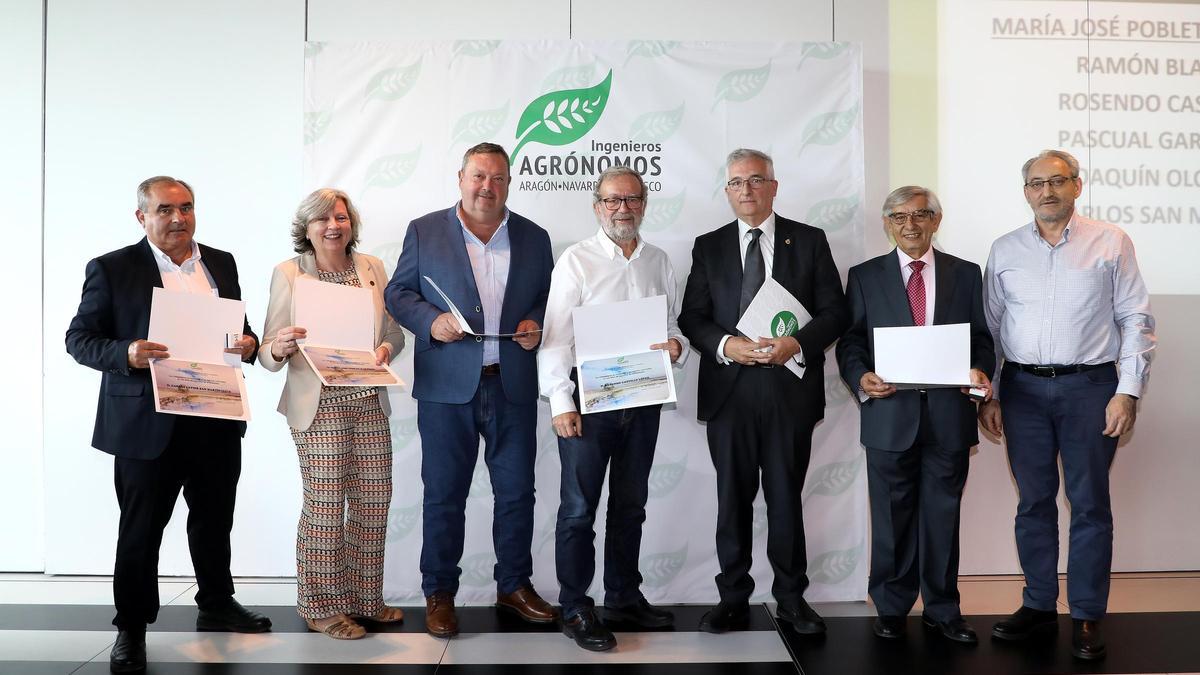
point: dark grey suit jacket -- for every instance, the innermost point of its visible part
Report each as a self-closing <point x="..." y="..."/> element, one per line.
<point x="877" y="297"/>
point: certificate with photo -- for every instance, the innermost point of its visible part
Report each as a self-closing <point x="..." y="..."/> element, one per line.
<point x="616" y="369"/>
<point x="338" y="367"/>
<point x="626" y="381"/>
<point x="199" y="389"/>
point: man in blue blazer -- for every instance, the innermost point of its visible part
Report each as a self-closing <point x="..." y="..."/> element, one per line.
<point x="760" y="415"/>
<point x="917" y="441"/>
<point x="494" y="265"/>
<point x="157" y="454"/>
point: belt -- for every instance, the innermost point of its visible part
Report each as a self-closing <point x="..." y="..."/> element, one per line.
<point x="491" y="369"/>
<point x="1055" y="371"/>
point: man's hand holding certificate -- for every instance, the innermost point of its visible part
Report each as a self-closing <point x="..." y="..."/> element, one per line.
<point x="773" y="314"/>
<point x="625" y="367"/>
<point x="925" y="357"/>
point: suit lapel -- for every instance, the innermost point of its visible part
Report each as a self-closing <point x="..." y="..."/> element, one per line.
<point x="216" y="267"/>
<point x="781" y="259"/>
<point x="457" y="241"/>
<point x="731" y="269"/>
<point x="943" y="272"/>
<point x="892" y="282"/>
<point x="515" y="249"/>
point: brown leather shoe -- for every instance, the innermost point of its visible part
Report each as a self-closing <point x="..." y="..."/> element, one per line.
<point x="440" y="619"/>
<point x="527" y="604"/>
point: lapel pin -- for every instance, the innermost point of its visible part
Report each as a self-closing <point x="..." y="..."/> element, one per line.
<point x="788" y="242"/>
<point x="372" y="282"/>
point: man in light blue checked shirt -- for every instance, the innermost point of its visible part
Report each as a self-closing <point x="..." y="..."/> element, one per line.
<point x="1071" y="317"/>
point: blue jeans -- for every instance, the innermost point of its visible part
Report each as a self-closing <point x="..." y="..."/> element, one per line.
<point x="449" y="449"/>
<point x="621" y="441"/>
<point x="1046" y="418"/>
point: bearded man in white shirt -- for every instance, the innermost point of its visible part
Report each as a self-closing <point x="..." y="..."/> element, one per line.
<point x="613" y="266"/>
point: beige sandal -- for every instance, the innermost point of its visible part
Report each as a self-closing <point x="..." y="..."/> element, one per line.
<point x="340" y="627"/>
<point x="385" y="615"/>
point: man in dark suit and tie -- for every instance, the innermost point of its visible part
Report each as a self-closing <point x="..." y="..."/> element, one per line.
<point x="157" y="454"/>
<point x="494" y="265"/>
<point x="760" y="414"/>
<point x="917" y="441"/>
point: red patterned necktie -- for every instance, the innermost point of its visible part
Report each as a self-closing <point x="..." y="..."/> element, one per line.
<point x="916" y="293"/>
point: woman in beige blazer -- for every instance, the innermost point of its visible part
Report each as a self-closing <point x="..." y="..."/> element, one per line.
<point x="342" y="435"/>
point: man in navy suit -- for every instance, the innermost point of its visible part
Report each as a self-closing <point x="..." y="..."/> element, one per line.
<point x="157" y="454"/>
<point x="760" y="414"/>
<point x="917" y="441"/>
<point x="494" y="265"/>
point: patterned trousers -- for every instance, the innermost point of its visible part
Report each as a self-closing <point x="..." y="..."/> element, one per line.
<point x="346" y="465"/>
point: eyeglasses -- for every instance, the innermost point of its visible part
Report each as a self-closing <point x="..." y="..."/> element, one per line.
<point x="613" y="203"/>
<point x="755" y="182"/>
<point x="1055" y="182"/>
<point x="919" y="217"/>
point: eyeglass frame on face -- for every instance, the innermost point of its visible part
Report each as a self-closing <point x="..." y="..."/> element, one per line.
<point x="1055" y="182"/>
<point x="632" y="202"/>
<point x="919" y="217"/>
<point x="755" y="182"/>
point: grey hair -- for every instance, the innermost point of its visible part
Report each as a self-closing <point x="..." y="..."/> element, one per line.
<point x="902" y="194"/>
<point x="318" y="205"/>
<point x="1068" y="158"/>
<point x="746" y="153"/>
<point x="614" y="171"/>
<point x="143" y="190"/>
<point x="485" y="148"/>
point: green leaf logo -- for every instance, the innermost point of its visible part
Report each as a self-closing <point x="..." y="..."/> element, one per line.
<point x="562" y="117"/>
<point x="821" y="50"/>
<point x="832" y="214"/>
<point x="392" y="83"/>
<point x="834" y="478"/>
<point x="655" y="127"/>
<point x="835" y="566"/>
<point x="742" y="85"/>
<point x="571" y="77"/>
<point x="315" y="124"/>
<point x="660" y="568"/>
<point x="784" y="323"/>
<point x="829" y="128"/>
<point x="473" y="48"/>
<point x="666" y="477"/>
<point x="392" y="170"/>
<point x="648" y="48"/>
<point x="478" y="569"/>
<point x="311" y="49"/>
<point x="479" y="125"/>
<point x="662" y="213"/>
<point x="400" y="522"/>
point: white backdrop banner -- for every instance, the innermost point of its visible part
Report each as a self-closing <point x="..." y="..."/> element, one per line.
<point x="388" y="123"/>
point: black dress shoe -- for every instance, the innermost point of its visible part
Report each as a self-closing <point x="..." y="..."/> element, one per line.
<point x="802" y="617"/>
<point x="1087" y="642"/>
<point x="1024" y="622"/>
<point x="726" y="617"/>
<point x="231" y="617"/>
<point x="957" y="630"/>
<point x="890" y="627"/>
<point x="585" y="628"/>
<point x="128" y="655"/>
<point x="641" y="614"/>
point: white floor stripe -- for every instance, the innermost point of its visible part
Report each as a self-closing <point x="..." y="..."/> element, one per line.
<point x="53" y="645"/>
<point x="28" y="592"/>
<point x="690" y="647"/>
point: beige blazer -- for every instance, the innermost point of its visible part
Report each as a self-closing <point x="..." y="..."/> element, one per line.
<point x="302" y="390"/>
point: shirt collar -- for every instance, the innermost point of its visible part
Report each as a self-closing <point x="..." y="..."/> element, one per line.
<point x="1066" y="236"/>
<point x="162" y="257"/>
<point x="612" y="250"/>
<point x="905" y="260"/>
<point x="463" y="225"/>
<point x="767" y="226"/>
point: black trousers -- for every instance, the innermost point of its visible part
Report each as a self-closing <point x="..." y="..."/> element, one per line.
<point x="915" y="500"/>
<point x="204" y="459"/>
<point x="757" y="431"/>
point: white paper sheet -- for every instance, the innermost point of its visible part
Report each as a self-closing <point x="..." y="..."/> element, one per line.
<point x="462" y="321"/>
<point x="194" y="326"/>
<point x="924" y="357"/>
<point x="619" y="328"/>
<point x="774" y="312"/>
<point x="199" y="389"/>
<point x="333" y="314"/>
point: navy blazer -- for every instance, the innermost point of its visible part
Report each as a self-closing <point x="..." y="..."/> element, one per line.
<point x="803" y="264"/>
<point x="877" y="297"/>
<point x="114" y="310"/>
<point x="434" y="246"/>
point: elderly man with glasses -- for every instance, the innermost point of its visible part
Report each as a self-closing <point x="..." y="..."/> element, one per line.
<point x="1071" y="317"/>
<point x="917" y="441"/>
<point x="614" y="265"/>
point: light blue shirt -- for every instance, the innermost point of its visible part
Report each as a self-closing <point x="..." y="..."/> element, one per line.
<point x="1079" y="302"/>
<point x="489" y="264"/>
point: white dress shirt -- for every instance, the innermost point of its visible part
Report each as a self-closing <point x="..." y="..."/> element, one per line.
<point x="489" y="265"/>
<point x="1081" y="301"/>
<point x="927" y="276"/>
<point x="189" y="277"/>
<point x="591" y="272"/>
